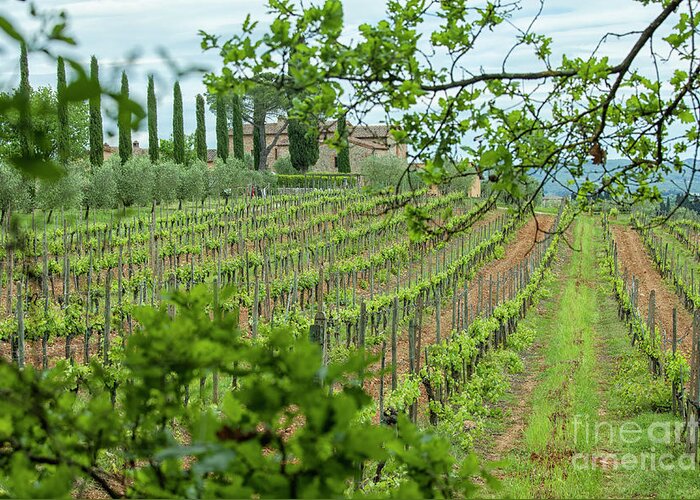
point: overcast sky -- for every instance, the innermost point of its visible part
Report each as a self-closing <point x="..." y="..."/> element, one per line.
<point x="117" y="30"/>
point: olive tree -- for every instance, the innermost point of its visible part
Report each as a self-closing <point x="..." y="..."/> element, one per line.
<point x="101" y="187"/>
<point x="65" y="192"/>
<point x="166" y="178"/>
<point x="134" y="181"/>
<point x="193" y="182"/>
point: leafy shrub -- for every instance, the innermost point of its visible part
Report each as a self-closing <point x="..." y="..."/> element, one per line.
<point x="101" y="187"/>
<point x="284" y="166"/>
<point x="65" y="192"/>
<point x="13" y="189"/>
<point x="385" y="171"/>
<point x="166" y="179"/>
<point x="54" y="439"/>
<point x="461" y="177"/>
<point x="134" y="180"/>
<point x="193" y="182"/>
<point x="522" y="338"/>
<point x="635" y="390"/>
<point x="232" y="178"/>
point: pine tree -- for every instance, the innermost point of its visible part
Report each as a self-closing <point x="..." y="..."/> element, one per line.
<point x="221" y="129"/>
<point x="237" y="128"/>
<point x="124" y="122"/>
<point x="62" y="113"/>
<point x="153" y="150"/>
<point x="344" y="152"/>
<point x="178" y="126"/>
<point x="96" y="134"/>
<point x="200" y="137"/>
<point x="303" y="145"/>
<point x="25" y="90"/>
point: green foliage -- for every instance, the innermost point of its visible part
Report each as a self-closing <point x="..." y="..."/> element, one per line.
<point x="418" y="72"/>
<point x="124" y="122"/>
<point x="635" y="390"/>
<point x="66" y="192"/>
<point x="134" y="181"/>
<point x="193" y="183"/>
<point x="248" y="447"/>
<point x="259" y="135"/>
<point x="233" y="177"/>
<point x="101" y="186"/>
<point x="166" y="180"/>
<point x="24" y="94"/>
<point x="14" y="192"/>
<point x="237" y="126"/>
<point x="303" y="145"/>
<point x="284" y="166"/>
<point x="96" y="133"/>
<point x="166" y="151"/>
<point x="62" y="113"/>
<point x="344" y="151"/>
<point x="43" y="103"/>
<point x="178" y="126"/>
<point x="200" y="135"/>
<point x="221" y="129"/>
<point x="380" y="172"/>
<point x="152" y="107"/>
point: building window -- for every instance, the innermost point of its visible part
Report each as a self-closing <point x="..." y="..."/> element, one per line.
<point x="335" y="162"/>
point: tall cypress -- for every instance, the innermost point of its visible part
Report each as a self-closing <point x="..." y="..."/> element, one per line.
<point x="124" y="122"/>
<point x="178" y="126"/>
<point x="200" y="137"/>
<point x="221" y="129"/>
<point x="258" y="135"/>
<point x="303" y="145"/>
<point x="237" y="127"/>
<point x="96" y="134"/>
<point x="25" y="90"/>
<point x="62" y="111"/>
<point x="153" y="147"/>
<point x="344" y="151"/>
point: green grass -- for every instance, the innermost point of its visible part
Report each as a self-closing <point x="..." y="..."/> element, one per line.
<point x="593" y="386"/>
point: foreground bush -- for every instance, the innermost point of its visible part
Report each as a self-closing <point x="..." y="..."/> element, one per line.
<point x="289" y="428"/>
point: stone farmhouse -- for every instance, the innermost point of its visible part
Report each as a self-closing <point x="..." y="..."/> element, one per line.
<point x="364" y="141"/>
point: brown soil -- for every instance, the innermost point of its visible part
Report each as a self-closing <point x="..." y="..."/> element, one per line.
<point x="633" y="257"/>
<point x="56" y="349"/>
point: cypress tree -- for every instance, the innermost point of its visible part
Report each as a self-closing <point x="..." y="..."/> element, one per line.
<point x="221" y="132"/>
<point x="178" y="126"/>
<point x="153" y="151"/>
<point x="25" y="90"/>
<point x="62" y="111"/>
<point x="96" y="137"/>
<point x="200" y="137"/>
<point x="344" y="152"/>
<point x="124" y="122"/>
<point x="258" y="134"/>
<point x="237" y="128"/>
<point x="303" y="145"/>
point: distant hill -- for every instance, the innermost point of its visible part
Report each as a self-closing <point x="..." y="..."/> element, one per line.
<point x="673" y="184"/>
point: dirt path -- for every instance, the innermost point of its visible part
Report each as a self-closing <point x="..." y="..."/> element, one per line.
<point x="633" y="257"/>
<point x="518" y="406"/>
